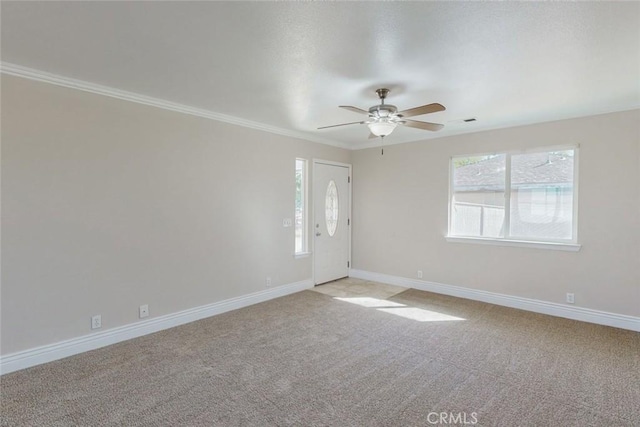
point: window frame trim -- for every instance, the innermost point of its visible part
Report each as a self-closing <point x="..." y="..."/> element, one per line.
<point x="568" y="247"/>
<point x="510" y="240"/>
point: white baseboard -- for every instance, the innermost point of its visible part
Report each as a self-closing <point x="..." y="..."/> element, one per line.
<point x="553" y="309"/>
<point x="48" y="353"/>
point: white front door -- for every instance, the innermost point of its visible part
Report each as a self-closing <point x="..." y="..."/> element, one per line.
<point x="331" y="221"/>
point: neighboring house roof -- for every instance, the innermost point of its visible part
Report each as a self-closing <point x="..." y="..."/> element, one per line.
<point x="531" y="169"/>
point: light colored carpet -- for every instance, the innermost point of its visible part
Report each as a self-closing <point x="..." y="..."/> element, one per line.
<point x="357" y="359"/>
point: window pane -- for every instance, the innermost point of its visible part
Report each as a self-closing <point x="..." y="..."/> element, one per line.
<point x="300" y="226"/>
<point x="478" y="196"/>
<point x="331" y="208"/>
<point x="542" y="195"/>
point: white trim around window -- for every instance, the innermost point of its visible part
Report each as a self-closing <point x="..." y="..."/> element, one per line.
<point x="569" y="247"/>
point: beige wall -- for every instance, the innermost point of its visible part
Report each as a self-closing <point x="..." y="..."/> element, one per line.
<point x="108" y="204"/>
<point x="400" y="216"/>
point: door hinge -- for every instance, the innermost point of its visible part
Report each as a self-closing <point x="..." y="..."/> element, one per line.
<point x="349" y="179"/>
<point x="348" y="265"/>
<point x="348" y="221"/>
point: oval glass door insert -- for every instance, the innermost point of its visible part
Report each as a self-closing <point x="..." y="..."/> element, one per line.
<point x="331" y="208"/>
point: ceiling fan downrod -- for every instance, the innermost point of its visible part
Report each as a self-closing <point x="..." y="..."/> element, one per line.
<point x="382" y="93"/>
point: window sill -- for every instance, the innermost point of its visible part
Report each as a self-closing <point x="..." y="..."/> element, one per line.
<point x="570" y="247"/>
<point x="301" y="255"/>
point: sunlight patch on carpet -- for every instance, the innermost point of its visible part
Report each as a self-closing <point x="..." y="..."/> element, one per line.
<point x="412" y="313"/>
<point x="371" y="302"/>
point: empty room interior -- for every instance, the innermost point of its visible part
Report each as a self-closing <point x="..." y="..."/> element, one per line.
<point x="320" y="213"/>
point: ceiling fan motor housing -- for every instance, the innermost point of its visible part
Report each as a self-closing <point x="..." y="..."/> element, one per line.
<point x="382" y="110"/>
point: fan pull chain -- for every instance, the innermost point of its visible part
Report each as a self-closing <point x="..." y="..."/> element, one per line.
<point x="381" y="145"/>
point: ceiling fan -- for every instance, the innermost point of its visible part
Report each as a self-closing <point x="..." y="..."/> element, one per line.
<point x="384" y="118"/>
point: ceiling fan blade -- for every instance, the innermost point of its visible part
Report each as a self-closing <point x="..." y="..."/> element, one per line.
<point x="422" y="125"/>
<point x="424" y="109"/>
<point x="354" y="109"/>
<point x="343" y="124"/>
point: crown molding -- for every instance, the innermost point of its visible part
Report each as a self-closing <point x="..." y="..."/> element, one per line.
<point x="43" y="76"/>
<point x="489" y="128"/>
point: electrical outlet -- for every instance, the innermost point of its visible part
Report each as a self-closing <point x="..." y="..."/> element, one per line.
<point x="570" y="298"/>
<point x="287" y="222"/>
<point x="419" y="274"/>
<point x="268" y="281"/>
<point x="144" y="311"/>
<point x="96" y="322"/>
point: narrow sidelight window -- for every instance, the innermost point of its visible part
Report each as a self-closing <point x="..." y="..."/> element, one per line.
<point x="301" y="207"/>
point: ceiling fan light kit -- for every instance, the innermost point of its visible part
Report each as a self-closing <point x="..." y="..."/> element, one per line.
<point x="384" y="118"/>
<point x="382" y="127"/>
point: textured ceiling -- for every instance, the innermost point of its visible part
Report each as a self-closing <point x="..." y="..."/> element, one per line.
<point x="290" y="65"/>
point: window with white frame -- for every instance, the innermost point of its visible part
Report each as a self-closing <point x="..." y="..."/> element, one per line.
<point x="525" y="196"/>
<point x="301" y="207"/>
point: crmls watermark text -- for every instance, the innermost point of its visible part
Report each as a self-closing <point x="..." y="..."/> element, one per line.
<point x="445" y="418"/>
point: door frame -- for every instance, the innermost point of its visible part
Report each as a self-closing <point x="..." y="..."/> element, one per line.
<point x="313" y="215"/>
